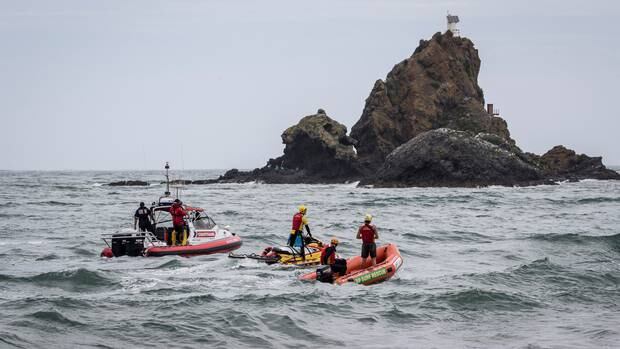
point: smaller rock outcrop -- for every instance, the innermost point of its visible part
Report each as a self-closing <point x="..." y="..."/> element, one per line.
<point x="317" y="150"/>
<point x="446" y="157"/>
<point x="128" y="183"/>
<point x="318" y="145"/>
<point x="563" y="163"/>
<point x="179" y="182"/>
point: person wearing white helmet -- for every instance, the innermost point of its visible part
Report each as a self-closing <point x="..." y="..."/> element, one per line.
<point x="368" y="233"/>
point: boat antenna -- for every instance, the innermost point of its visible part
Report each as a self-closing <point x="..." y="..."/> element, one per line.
<point x="167" y="167"/>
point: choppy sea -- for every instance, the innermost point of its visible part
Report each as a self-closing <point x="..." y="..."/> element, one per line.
<point x="496" y="267"/>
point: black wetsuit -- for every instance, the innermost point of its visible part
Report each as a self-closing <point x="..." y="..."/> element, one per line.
<point x="339" y="266"/>
<point x="144" y="219"/>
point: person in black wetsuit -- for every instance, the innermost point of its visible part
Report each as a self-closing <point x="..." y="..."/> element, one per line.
<point x="142" y="218"/>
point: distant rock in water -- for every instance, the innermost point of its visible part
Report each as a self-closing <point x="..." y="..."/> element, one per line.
<point x="180" y="182"/>
<point x="446" y="157"/>
<point x="565" y="163"/>
<point x="128" y="183"/>
<point x="425" y="125"/>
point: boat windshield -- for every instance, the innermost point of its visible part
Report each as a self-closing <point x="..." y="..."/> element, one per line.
<point x="162" y="217"/>
<point x="202" y="221"/>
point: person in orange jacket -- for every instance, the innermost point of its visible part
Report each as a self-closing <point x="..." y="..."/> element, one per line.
<point x="178" y="221"/>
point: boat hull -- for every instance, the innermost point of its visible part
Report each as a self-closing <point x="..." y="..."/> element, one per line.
<point x="389" y="261"/>
<point x="218" y="246"/>
<point x="223" y="245"/>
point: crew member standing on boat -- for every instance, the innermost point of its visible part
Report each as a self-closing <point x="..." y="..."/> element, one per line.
<point x="178" y="213"/>
<point x="142" y="218"/>
<point x="368" y="233"/>
<point x="299" y="221"/>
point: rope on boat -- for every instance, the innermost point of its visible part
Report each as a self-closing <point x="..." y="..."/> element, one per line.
<point x="252" y="256"/>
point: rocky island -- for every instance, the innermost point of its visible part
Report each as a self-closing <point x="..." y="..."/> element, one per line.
<point x="425" y="125"/>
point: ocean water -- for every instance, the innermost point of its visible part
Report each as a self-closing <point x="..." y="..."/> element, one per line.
<point x="534" y="267"/>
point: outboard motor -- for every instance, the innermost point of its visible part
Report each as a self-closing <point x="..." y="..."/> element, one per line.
<point x="340" y="266"/>
<point x="127" y="244"/>
<point x="135" y="246"/>
<point x="118" y="245"/>
<point x="324" y="274"/>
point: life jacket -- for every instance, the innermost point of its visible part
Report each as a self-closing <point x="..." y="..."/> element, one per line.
<point x="328" y="255"/>
<point x="177" y="213"/>
<point x="368" y="233"/>
<point x="298" y="221"/>
<point x="143" y="214"/>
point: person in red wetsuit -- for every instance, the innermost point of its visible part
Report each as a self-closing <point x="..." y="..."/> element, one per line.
<point x="328" y="257"/>
<point x="299" y="222"/>
<point x="178" y="213"/>
<point x="368" y="233"/>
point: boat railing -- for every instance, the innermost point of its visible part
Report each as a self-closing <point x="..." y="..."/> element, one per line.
<point x="149" y="237"/>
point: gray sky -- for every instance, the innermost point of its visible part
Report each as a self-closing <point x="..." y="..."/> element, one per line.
<point x="90" y="84"/>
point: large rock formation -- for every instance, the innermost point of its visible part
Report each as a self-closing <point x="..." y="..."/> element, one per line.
<point x="446" y="157"/>
<point x="425" y="125"/>
<point x="436" y="87"/>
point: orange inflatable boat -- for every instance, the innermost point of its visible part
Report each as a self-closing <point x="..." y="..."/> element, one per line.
<point x="388" y="262"/>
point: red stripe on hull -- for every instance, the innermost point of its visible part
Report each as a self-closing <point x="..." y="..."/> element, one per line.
<point x="219" y="246"/>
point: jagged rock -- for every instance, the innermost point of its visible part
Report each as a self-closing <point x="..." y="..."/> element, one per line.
<point x="446" y="157"/>
<point x="560" y="162"/>
<point x="205" y="181"/>
<point x="128" y="183"/>
<point x="232" y="173"/>
<point x="318" y="145"/>
<point x="317" y="150"/>
<point x="436" y="87"/>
